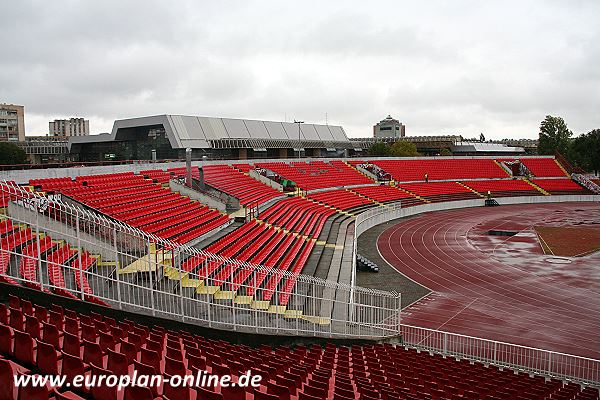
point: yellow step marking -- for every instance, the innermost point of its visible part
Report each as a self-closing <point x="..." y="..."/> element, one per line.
<point x="225" y="295"/>
<point x="260" y="304"/>
<point x="243" y="300"/>
<point x="277" y="309"/>
<point x="317" y="320"/>
<point x="471" y="189"/>
<point x="295" y="314"/>
<point x="537" y="187"/>
<point x="207" y="289"/>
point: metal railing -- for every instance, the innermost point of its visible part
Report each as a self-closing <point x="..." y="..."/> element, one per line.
<point x="135" y="271"/>
<point x="513" y="356"/>
<point x="586" y="182"/>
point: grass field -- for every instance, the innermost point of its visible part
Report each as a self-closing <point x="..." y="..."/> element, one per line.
<point x="569" y="241"/>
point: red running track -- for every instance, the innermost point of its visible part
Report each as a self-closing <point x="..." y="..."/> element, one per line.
<point x="498" y="287"/>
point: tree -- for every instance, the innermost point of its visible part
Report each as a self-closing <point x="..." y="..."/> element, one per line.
<point x="11" y="154"/>
<point x="379" y="149"/>
<point x="445" y="152"/>
<point x="554" y="135"/>
<point x="404" y="149"/>
<point x="585" y="151"/>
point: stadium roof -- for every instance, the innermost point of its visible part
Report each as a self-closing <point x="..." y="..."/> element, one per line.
<point x="186" y="131"/>
<point x="486" y="147"/>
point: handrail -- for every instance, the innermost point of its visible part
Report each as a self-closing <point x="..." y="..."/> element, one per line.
<point x="296" y="305"/>
<point x="517" y="357"/>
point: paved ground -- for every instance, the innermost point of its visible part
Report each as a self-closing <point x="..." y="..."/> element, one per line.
<point x="388" y="278"/>
<point x="501" y="287"/>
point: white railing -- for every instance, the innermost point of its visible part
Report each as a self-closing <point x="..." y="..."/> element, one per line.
<point x="518" y="358"/>
<point x="539" y="361"/>
<point x="139" y="272"/>
<point x="586" y="182"/>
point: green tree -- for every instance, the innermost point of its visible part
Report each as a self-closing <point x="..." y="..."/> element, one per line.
<point x="585" y="151"/>
<point x="404" y="149"/>
<point x="11" y="154"/>
<point x="554" y="135"/>
<point x="379" y="149"/>
<point x="445" y="152"/>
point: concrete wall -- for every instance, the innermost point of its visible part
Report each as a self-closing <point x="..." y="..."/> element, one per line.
<point x="196" y="195"/>
<point x="367" y="173"/>
<point x="382" y="214"/>
<point x="265" y="180"/>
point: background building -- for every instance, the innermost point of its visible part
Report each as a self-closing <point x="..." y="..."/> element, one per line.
<point x="12" y="123"/>
<point x="69" y="127"/>
<point x="389" y="128"/>
<point x="227" y="138"/>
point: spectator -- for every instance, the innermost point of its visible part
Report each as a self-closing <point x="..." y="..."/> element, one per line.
<point x="426" y="177"/>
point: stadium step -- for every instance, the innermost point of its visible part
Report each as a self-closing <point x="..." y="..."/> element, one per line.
<point x="537" y="187"/>
<point x="273" y="309"/>
<point x="366" y="197"/>
<point x="357" y="170"/>
<point x="317" y="320"/>
<point x="292" y="314"/>
<point x="224" y="295"/>
<point x="504" y="168"/>
<point x="191" y="282"/>
<point x="244" y="300"/>
<point x="260" y="304"/>
<point x="414" y="195"/>
<point x="207" y="289"/>
<point x="562" y="168"/>
<point x="150" y="262"/>
<point x="471" y="189"/>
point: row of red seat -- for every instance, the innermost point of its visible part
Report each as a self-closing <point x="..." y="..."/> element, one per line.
<point x="133" y="199"/>
<point x="561" y="186"/>
<point x="298" y="215"/>
<point x="543" y="167"/>
<point x="502" y="188"/>
<point x="245" y="168"/>
<point x="237" y="184"/>
<point x="261" y="245"/>
<point x="317" y="174"/>
<point x="58" y="184"/>
<point x="157" y="175"/>
<point x="60" y="341"/>
<point x="340" y="198"/>
<point x="105" y="178"/>
<point x="407" y="170"/>
<point x="382" y="193"/>
<point x="439" y="191"/>
<point x="49" y="184"/>
<point x="15" y="241"/>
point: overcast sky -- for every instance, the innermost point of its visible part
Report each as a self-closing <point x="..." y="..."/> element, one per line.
<point x="440" y="67"/>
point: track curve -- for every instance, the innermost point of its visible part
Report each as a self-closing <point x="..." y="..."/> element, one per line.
<point x="501" y="288"/>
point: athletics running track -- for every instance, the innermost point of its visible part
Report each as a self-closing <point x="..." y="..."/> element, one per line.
<point x="498" y="287"/>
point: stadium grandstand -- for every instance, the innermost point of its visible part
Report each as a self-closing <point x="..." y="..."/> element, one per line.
<point x="235" y="266"/>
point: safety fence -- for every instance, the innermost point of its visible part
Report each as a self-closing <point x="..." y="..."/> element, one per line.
<point x="51" y="244"/>
<point x="519" y="358"/>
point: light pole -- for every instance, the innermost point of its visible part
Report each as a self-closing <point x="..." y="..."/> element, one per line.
<point x="299" y="143"/>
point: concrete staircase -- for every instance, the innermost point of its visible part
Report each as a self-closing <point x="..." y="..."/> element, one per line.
<point x="539" y="189"/>
<point x="472" y="190"/>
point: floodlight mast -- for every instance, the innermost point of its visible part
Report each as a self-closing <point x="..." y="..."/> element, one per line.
<point x="299" y="143"/>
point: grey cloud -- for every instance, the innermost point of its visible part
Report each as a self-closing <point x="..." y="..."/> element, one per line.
<point x="441" y="67"/>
